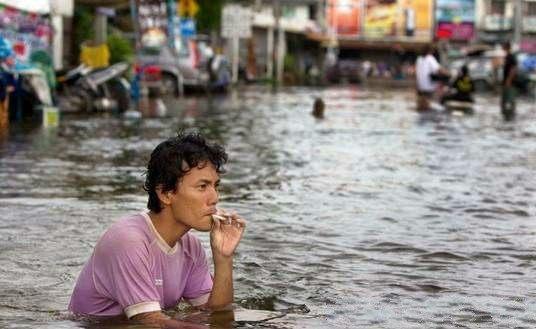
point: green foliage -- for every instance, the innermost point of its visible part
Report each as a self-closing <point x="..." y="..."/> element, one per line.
<point x="209" y="15"/>
<point x="289" y="63"/>
<point x="120" y="48"/>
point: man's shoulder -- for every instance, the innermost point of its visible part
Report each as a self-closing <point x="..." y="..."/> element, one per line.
<point x="431" y="59"/>
<point x="131" y="228"/>
<point x="512" y="58"/>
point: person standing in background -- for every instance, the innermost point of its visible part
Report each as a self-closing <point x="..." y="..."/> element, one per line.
<point x="426" y="67"/>
<point x="7" y="82"/>
<point x="508" y="98"/>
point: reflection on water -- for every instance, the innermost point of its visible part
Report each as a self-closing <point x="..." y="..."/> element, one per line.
<point x="372" y="217"/>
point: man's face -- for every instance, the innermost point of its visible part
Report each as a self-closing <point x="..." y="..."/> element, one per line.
<point x="195" y="199"/>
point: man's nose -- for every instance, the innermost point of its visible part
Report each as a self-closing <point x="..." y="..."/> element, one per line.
<point x="214" y="196"/>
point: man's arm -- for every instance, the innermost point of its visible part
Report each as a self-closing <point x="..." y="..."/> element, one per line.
<point x="224" y="238"/>
<point x="163" y="321"/>
<point x="222" y="294"/>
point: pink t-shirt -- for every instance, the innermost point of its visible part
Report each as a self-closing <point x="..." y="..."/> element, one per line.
<point x="133" y="270"/>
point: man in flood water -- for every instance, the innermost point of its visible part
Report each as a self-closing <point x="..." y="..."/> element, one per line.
<point x="426" y="67"/>
<point x="508" y="97"/>
<point x="318" y="108"/>
<point x="148" y="262"/>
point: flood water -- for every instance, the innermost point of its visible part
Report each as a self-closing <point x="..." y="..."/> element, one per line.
<point x="374" y="217"/>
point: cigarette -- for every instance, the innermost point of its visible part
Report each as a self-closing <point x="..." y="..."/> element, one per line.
<point x="223" y="219"/>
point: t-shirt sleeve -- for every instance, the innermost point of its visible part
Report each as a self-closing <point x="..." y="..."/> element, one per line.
<point x="122" y="272"/>
<point x="199" y="282"/>
<point x="434" y="65"/>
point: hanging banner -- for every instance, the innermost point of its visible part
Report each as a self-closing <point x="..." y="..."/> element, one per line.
<point x="455" y="19"/>
<point x="28" y="32"/>
<point x="344" y="16"/>
<point x="380" y="18"/>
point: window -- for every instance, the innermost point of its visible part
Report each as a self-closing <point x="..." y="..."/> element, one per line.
<point x="497" y="7"/>
<point x="529" y="9"/>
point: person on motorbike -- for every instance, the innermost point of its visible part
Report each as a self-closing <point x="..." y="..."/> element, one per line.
<point x="461" y="89"/>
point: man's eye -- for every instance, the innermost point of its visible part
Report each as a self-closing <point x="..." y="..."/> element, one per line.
<point x="202" y="186"/>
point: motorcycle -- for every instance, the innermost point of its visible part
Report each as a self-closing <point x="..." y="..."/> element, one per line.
<point x="95" y="90"/>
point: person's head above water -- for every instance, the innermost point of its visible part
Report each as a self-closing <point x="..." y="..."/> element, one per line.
<point x="507" y="46"/>
<point x="172" y="159"/>
<point x="464" y="70"/>
<point x="427" y="50"/>
<point x="318" y="108"/>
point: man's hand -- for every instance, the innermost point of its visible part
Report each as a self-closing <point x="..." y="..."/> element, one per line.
<point x="226" y="232"/>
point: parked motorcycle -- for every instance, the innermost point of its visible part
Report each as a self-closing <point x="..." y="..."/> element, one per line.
<point x="31" y="94"/>
<point x="95" y="90"/>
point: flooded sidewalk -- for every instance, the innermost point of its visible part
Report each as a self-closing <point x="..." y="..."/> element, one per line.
<point x="375" y="216"/>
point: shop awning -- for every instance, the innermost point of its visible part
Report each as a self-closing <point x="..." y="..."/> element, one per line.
<point x="387" y="43"/>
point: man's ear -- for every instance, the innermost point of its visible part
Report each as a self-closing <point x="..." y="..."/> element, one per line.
<point x="164" y="197"/>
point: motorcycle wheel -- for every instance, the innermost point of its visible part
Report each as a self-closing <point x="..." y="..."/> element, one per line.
<point x="82" y="101"/>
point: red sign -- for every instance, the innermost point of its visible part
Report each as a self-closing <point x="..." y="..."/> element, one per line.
<point x="528" y="46"/>
<point x="453" y="31"/>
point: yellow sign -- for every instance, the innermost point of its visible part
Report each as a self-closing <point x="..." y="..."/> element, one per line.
<point x="187" y="8"/>
<point x="380" y="20"/>
<point x="95" y="56"/>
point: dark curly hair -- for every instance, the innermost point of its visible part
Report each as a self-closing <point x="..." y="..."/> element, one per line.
<point x="175" y="157"/>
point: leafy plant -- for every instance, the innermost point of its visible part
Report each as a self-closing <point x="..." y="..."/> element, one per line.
<point x="121" y="49"/>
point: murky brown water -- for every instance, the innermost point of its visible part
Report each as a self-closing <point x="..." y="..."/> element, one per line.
<point x="374" y="217"/>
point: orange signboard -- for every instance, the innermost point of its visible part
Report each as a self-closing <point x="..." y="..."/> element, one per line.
<point x="343" y="16"/>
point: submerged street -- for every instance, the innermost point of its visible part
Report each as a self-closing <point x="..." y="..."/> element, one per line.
<point x="375" y="216"/>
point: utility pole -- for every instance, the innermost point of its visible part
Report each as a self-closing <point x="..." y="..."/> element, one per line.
<point x="518" y="21"/>
<point x="280" y="43"/>
<point x="270" y="53"/>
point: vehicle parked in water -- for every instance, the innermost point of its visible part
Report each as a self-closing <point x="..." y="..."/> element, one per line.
<point x="193" y="65"/>
<point x="32" y="93"/>
<point x="345" y="71"/>
<point x="92" y="90"/>
<point x="526" y="80"/>
<point x="486" y="68"/>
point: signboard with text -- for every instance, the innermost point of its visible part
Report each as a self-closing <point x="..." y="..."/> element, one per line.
<point x="380" y="19"/>
<point x="28" y="32"/>
<point x="152" y="18"/>
<point x="455" y="19"/>
<point x="236" y="22"/>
